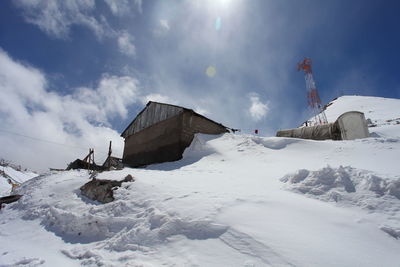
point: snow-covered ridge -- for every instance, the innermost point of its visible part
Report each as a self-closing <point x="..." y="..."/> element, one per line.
<point x="223" y="204"/>
<point x="377" y="109"/>
<point x="382" y="114"/>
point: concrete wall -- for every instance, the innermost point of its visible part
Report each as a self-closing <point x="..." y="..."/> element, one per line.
<point x="318" y="132"/>
<point x="350" y="125"/>
<point x="193" y="123"/>
<point x="158" y="143"/>
<point x="353" y="125"/>
<point x="166" y="140"/>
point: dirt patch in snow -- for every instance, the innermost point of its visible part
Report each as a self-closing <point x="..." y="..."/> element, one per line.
<point x="102" y="190"/>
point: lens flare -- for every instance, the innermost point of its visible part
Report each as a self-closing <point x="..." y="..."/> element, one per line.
<point x="211" y="71"/>
<point x="218" y="24"/>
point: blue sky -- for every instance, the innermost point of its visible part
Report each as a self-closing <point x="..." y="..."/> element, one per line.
<point x="77" y="72"/>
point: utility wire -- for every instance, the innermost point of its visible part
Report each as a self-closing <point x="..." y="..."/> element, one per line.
<point x="48" y="141"/>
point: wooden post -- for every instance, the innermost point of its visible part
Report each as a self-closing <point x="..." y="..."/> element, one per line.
<point x="93" y="157"/>
<point x="109" y="156"/>
<point x="88" y="159"/>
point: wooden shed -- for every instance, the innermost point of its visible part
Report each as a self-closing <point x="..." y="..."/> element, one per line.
<point x="161" y="132"/>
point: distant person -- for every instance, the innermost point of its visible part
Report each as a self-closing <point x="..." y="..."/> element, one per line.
<point x="13" y="185"/>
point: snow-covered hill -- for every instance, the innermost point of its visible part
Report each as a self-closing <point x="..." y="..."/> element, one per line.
<point x="17" y="175"/>
<point x="383" y="113"/>
<point x="234" y="200"/>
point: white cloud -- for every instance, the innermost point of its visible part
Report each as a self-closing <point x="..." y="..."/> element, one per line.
<point x="125" y="44"/>
<point x="123" y="7"/>
<point x="164" y="24"/>
<point x="165" y="99"/>
<point x="55" y="17"/>
<point x="157" y="98"/>
<point x="258" y="110"/>
<point x="79" y="120"/>
<point x="113" y="95"/>
<point x="162" y="28"/>
<point x="201" y="111"/>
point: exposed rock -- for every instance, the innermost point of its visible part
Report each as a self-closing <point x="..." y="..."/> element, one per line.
<point x="102" y="190"/>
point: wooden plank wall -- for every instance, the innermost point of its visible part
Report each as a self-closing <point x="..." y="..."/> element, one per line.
<point x="153" y="114"/>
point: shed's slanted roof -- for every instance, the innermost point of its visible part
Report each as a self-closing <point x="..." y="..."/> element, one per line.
<point x="155" y="112"/>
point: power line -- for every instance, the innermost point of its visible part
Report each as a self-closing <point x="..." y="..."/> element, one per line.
<point x="47" y="141"/>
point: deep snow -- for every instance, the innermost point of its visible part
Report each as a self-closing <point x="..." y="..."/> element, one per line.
<point x="234" y="200"/>
<point x="19" y="176"/>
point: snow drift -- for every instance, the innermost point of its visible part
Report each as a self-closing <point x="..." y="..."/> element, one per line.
<point x="224" y="204"/>
<point x="349" y="186"/>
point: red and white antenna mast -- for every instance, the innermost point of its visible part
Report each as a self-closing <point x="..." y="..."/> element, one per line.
<point x="314" y="102"/>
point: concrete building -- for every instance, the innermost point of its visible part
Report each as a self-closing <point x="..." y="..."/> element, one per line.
<point x="349" y="126"/>
<point x="161" y="132"/>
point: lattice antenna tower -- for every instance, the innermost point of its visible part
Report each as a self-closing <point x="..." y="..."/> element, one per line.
<point x="314" y="101"/>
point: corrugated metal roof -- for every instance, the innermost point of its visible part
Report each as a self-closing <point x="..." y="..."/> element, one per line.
<point x="153" y="113"/>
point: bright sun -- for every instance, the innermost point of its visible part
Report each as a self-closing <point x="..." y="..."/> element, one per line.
<point x="221" y="3"/>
